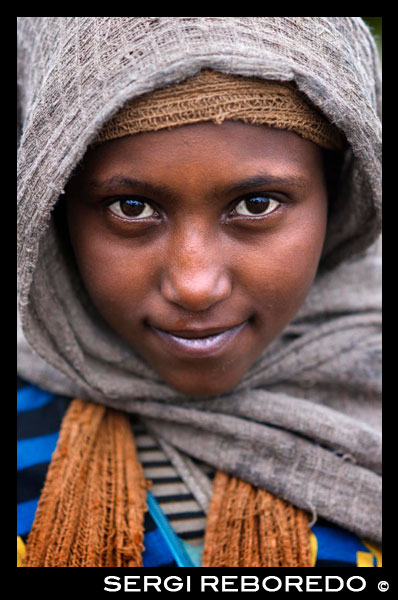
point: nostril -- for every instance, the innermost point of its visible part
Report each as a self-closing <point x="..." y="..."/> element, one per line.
<point x="197" y="291"/>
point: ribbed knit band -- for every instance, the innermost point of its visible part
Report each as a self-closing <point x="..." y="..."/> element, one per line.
<point x="213" y="96"/>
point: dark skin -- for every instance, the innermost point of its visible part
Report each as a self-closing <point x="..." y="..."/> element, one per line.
<point x="204" y="231"/>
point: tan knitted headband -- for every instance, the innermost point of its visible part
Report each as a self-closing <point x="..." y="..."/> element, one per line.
<point x="213" y="96"/>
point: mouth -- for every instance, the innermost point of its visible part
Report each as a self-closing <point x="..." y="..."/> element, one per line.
<point x="199" y="343"/>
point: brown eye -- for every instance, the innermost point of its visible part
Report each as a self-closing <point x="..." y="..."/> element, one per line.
<point x="256" y="206"/>
<point x="131" y="208"/>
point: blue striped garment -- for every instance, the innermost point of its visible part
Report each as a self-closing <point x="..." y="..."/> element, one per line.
<point x="174" y="523"/>
<point x="39" y="418"/>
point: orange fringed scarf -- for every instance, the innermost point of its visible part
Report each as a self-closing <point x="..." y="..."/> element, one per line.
<point x="249" y="527"/>
<point x="91" y="510"/>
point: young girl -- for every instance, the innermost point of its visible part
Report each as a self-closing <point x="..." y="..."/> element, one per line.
<point x="199" y="292"/>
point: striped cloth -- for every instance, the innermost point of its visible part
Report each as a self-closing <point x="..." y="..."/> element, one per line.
<point x="174" y="523"/>
<point x="176" y="540"/>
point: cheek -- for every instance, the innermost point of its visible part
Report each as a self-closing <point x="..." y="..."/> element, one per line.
<point x="116" y="276"/>
<point x="280" y="271"/>
<point x="116" y="281"/>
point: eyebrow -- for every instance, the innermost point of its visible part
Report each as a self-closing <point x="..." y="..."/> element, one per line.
<point x="117" y="181"/>
<point x="261" y="179"/>
<point x="267" y="179"/>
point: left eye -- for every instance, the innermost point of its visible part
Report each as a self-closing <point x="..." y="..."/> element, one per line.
<point x="132" y="208"/>
<point x="256" y="206"/>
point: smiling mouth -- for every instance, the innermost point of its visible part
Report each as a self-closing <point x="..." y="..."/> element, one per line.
<point x="198" y="343"/>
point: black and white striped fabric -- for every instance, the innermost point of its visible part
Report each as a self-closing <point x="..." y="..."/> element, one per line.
<point x="39" y="419"/>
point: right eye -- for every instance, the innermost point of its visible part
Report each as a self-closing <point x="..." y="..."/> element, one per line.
<point x="257" y="206"/>
<point x="132" y="208"/>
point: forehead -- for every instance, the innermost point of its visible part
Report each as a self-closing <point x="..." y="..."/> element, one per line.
<point x="204" y="152"/>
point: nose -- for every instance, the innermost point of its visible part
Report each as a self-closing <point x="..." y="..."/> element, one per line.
<point x="196" y="276"/>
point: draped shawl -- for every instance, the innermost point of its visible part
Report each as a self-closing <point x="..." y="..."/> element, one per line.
<point x="305" y="421"/>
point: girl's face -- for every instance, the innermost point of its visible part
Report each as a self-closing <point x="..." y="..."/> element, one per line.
<point x="198" y="245"/>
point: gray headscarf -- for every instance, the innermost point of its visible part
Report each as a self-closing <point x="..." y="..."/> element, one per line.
<point x="304" y="423"/>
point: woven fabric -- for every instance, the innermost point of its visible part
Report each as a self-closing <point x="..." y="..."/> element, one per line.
<point x="304" y="423"/>
<point x="212" y="96"/>
<point x="248" y="527"/>
<point x="331" y="546"/>
<point x="91" y="510"/>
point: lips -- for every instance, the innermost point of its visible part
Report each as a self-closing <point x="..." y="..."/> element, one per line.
<point x="198" y="343"/>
